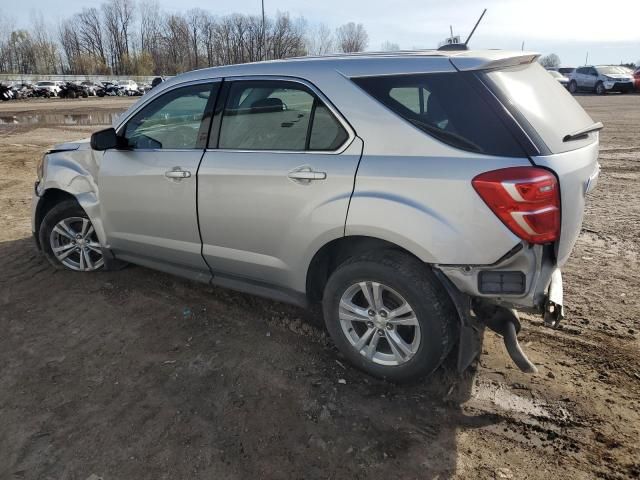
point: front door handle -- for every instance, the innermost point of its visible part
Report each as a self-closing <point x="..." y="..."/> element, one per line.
<point x="177" y="172"/>
<point x="306" y="175"/>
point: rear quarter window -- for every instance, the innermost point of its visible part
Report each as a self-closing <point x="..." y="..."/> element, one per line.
<point x="446" y="106"/>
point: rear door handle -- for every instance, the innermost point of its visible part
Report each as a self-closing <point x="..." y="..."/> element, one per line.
<point x="306" y="174"/>
<point x="177" y="172"/>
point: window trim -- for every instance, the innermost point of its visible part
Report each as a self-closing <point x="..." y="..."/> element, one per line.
<point x="223" y="94"/>
<point x="206" y="117"/>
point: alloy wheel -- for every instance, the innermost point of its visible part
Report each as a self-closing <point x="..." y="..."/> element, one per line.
<point x="75" y="244"/>
<point x="379" y="323"/>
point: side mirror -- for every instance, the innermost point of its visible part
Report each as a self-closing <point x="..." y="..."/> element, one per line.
<point x="105" y="140"/>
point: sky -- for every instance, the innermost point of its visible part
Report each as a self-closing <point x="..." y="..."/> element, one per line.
<point x="570" y="29"/>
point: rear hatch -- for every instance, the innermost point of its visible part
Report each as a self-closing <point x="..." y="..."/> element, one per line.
<point x="564" y="133"/>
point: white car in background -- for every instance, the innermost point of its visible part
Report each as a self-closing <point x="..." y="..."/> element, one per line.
<point x="129" y="87"/>
<point x="51" y="87"/>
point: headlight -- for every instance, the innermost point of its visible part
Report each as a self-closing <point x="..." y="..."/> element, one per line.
<point x="40" y="167"/>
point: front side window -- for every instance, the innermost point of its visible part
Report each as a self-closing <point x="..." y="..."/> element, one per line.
<point x="277" y="115"/>
<point x="447" y="107"/>
<point x="172" y="121"/>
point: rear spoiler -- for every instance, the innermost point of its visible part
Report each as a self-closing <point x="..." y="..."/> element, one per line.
<point x="468" y="62"/>
<point x="582" y="133"/>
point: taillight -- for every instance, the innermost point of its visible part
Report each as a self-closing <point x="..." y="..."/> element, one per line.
<point x="526" y="199"/>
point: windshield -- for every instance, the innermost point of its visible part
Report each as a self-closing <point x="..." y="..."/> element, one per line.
<point x="551" y="112"/>
<point x="611" y="70"/>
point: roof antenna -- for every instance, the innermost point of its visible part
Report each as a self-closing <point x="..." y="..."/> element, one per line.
<point x="453" y="45"/>
<point x="466" y="42"/>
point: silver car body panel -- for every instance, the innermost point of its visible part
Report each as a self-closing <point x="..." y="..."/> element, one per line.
<point x="239" y="215"/>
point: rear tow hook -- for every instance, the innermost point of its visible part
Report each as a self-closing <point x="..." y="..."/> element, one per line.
<point x="506" y="323"/>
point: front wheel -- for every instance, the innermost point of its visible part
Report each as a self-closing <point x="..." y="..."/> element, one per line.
<point x="600" y="90"/>
<point x="389" y="315"/>
<point x="69" y="240"/>
<point x="573" y="86"/>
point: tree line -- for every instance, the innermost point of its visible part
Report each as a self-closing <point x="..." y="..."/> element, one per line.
<point x="123" y="37"/>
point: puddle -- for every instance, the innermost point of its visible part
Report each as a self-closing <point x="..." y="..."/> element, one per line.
<point x="101" y="117"/>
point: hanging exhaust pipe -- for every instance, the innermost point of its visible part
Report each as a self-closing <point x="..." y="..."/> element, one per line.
<point x="506" y="323"/>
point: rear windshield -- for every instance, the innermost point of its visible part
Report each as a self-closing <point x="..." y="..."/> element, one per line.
<point x="551" y="112"/>
<point x="447" y="107"/>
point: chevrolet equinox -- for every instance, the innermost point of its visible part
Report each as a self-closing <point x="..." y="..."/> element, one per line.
<point x="418" y="197"/>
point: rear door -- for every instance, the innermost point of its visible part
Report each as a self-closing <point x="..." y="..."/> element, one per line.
<point x="275" y="183"/>
<point x="148" y="191"/>
<point x="554" y="118"/>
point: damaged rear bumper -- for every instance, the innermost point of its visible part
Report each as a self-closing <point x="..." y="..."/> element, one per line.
<point x="520" y="279"/>
<point x="527" y="278"/>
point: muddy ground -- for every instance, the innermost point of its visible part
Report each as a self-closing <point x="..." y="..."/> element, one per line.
<point x="141" y="375"/>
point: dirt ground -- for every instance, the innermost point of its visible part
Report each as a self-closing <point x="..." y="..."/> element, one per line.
<point x="141" y="375"/>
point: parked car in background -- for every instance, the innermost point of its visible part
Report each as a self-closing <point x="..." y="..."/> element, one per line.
<point x="601" y="79"/>
<point x="6" y="93"/>
<point x="91" y="87"/>
<point x="562" y="80"/>
<point x="129" y="87"/>
<point x="416" y="208"/>
<point x="52" y="87"/>
<point x="636" y="78"/>
<point x="566" y="71"/>
<point x="73" y="90"/>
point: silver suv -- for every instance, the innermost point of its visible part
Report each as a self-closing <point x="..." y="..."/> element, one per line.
<point x="418" y="197"/>
<point x="601" y="79"/>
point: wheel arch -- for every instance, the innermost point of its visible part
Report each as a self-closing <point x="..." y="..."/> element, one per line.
<point x="52" y="196"/>
<point x="335" y="252"/>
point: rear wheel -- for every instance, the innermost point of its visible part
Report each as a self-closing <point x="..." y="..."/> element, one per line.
<point x="69" y="240"/>
<point x="573" y="86"/>
<point x="389" y="315"/>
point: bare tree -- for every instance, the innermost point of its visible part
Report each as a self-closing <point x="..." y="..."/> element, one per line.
<point x="286" y="38"/>
<point x="89" y="25"/>
<point x="118" y="19"/>
<point x="45" y="47"/>
<point x="352" y="37"/>
<point x="550" y="61"/>
<point x="109" y="39"/>
<point x="320" y="41"/>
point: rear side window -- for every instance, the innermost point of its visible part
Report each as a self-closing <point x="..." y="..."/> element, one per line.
<point x="446" y="106"/>
<point x="277" y="115"/>
<point x="549" y="110"/>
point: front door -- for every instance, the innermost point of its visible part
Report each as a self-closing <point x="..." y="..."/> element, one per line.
<point x="148" y="190"/>
<point x="275" y="183"/>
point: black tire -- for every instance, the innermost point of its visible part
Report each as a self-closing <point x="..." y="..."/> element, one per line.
<point x="63" y="210"/>
<point x="411" y="279"/>
<point x="71" y="94"/>
<point x="573" y="87"/>
<point x="600" y="90"/>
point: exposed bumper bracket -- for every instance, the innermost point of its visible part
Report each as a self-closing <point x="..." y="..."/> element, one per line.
<point x="553" y="305"/>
